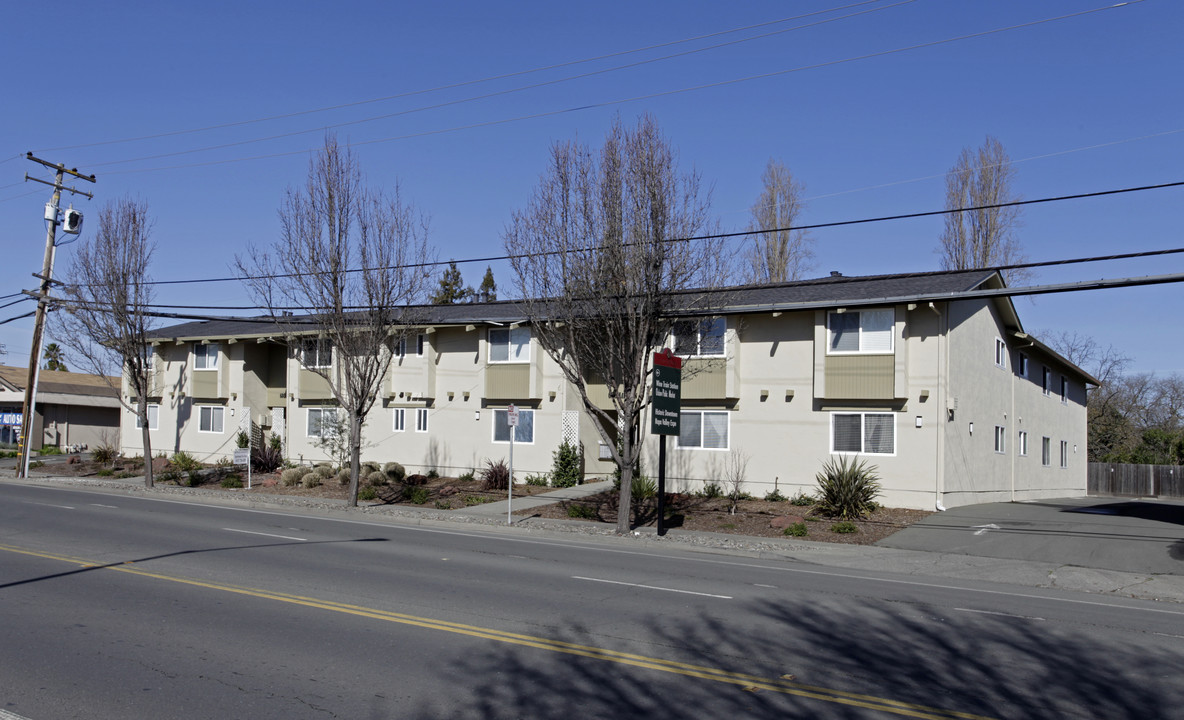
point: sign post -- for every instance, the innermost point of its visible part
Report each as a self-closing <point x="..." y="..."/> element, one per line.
<point x="665" y="417"/>
<point x="512" y="421"/>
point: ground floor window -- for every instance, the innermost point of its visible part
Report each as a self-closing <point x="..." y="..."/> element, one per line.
<point x="1022" y="442"/>
<point x="209" y="418"/>
<point x="153" y="418"/>
<point x="707" y="429"/>
<point x="1064" y="454"/>
<point x="1046" y="451"/>
<point x="1000" y="439"/>
<point x="322" y="422"/>
<point x="864" y="433"/>
<point x="523" y="432"/>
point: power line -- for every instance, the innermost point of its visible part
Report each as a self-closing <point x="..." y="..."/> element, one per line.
<point x="18" y="317"/>
<point x="621" y="101"/>
<point x="465" y="83"/>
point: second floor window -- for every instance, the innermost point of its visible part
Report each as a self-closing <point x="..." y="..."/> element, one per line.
<point x="205" y="357"/>
<point x="1000" y="353"/>
<point x="860" y="331"/>
<point x="509" y="345"/>
<point x="317" y="352"/>
<point x="700" y="337"/>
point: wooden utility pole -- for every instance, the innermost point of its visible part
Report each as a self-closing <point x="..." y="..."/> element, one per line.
<point x="52" y="212"/>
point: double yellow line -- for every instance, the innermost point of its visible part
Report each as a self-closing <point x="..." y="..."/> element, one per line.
<point x="752" y="683"/>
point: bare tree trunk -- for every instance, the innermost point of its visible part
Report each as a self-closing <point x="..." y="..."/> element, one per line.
<point x="146" y="435"/>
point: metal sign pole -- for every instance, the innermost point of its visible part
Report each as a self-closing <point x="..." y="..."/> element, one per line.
<point x="512" y="422"/>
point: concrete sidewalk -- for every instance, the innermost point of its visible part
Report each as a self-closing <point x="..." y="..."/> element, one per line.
<point x="526" y="502"/>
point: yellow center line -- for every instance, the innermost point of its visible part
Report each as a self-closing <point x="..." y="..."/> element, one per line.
<point x="750" y="682"/>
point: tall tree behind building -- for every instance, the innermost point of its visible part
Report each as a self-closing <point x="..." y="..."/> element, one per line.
<point x="55" y="358"/>
<point x="983" y="237"/>
<point x="452" y="288"/>
<point x="487" y="292"/>
<point x="779" y="254"/>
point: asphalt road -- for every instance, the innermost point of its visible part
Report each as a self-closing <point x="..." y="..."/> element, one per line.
<point x="119" y="606"/>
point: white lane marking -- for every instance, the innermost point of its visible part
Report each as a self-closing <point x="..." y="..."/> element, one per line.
<point x="63" y="507"/>
<point x="651" y="587"/>
<point x="774" y="587"/>
<point x="252" y="532"/>
<point x="113" y="507"/>
<point x="982" y="529"/>
<point x="580" y="544"/>
<point x="1168" y="635"/>
<point x="1002" y="614"/>
<point x="5" y="715"/>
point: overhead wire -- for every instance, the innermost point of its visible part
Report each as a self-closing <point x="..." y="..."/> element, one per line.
<point x="632" y="99"/>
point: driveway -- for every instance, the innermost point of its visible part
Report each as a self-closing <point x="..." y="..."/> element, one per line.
<point x="1124" y="534"/>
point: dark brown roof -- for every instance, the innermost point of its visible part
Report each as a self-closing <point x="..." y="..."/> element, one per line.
<point x="57" y="381"/>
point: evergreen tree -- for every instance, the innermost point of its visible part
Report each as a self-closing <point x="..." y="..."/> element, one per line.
<point x="452" y="288"/>
<point x="488" y="290"/>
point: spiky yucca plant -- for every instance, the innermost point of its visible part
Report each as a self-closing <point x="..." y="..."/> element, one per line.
<point x="847" y="488"/>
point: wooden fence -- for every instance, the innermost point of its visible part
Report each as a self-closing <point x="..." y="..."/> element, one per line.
<point x="1136" y="480"/>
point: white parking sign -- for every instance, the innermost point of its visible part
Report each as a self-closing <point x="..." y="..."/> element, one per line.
<point x="512" y="416"/>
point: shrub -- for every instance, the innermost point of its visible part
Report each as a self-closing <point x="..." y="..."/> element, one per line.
<point x="367" y="493"/>
<point x="846" y="488"/>
<point x="376" y="479"/>
<point x="471" y="500"/>
<point x="643" y="488"/>
<point x="801" y="499"/>
<point x="711" y="490"/>
<point x="775" y="496"/>
<point x="184" y="462"/>
<point x="443" y="505"/>
<point x="416" y="479"/>
<point x="242" y="440"/>
<point x="368" y="467"/>
<point x="798" y="529"/>
<point x="50" y="450"/>
<point x="537" y="480"/>
<point x="342" y="476"/>
<point x="311" y="480"/>
<point x="566" y="466"/>
<point x="266" y="459"/>
<point x="846" y="526"/>
<point x="291" y="476"/>
<point x="396" y="472"/>
<point x="466" y="476"/>
<point x="224" y="463"/>
<point x="107" y="472"/>
<point x="495" y="475"/>
<point x="417" y="495"/>
<point x="433" y="474"/>
<point x="581" y="512"/>
<point x="275" y="442"/>
<point x="324" y="470"/>
<point x="166" y="476"/>
<point x="232" y="481"/>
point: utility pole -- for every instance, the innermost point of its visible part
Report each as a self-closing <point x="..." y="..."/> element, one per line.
<point x="52" y="211"/>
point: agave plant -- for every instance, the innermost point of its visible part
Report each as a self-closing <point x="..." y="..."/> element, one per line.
<point x="847" y="488"/>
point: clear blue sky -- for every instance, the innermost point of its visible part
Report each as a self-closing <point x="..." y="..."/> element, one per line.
<point x="1086" y="103"/>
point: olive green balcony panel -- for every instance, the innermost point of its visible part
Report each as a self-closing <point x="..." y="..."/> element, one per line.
<point x="860" y="377"/>
<point x="313" y="386"/>
<point x="704" y="379"/>
<point x="509" y="381"/>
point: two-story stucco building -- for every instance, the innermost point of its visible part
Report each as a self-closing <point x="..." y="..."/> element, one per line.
<point x="920" y="374"/>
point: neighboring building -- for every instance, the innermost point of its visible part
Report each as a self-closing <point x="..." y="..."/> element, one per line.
<point x="946" y="395"/>
<point x="72" y="408"/>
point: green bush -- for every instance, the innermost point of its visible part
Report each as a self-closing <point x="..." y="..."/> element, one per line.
<point x="566" y="466"/>
<point x="495" y="475"/>
<point x="643" y="488"/>
<point x="846" y="488"/>
<point x="433" y="474"/>
<point x="443" y="505"/>
<point x="471" y="500"/>
<point x="232" y="481"/>
<point x="104" y="454"/>
<point x="324" y="470"/>
<point x="107" y="472"/>
<point x="342" y="476"/>
<point x="367" y="493"/>
<point x="166" y="476"/>
<point x="537" y="480"/>
<point x="711" y="490"/>
<point x="369" y="467"/>
<point x="266" y="459"/>
<point x="49" y="450"/>
<point x="292" y="476"/>
<point x="846" y="526"/>
<point x="466" y="476"/>
<point x="184" y="462"/>
<point x="396" y="472"/>
<point x="775" y="496"/>
<point x="581" y="512"/>
<point x="417" y="495"/>
<point x="377" y="478"/>
<point x="798" y="529"/>
<point x="242" y="440"/>
<point x="801" y="499"/>
<point x="311" y="480"/>
<point x="275" y="442"/>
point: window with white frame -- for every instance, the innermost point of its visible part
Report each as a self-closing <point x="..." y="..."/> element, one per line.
<point x="317" y="353"/>
<point x="404" y="342"/>
<point x="1000" y="439"/>
<point x="523" y="431"/>
<point x="509" y="345"/>
<point x="1000" y="353"/>
<point x="421" y="419"/>
<point x="1064" y="454"/>
<point x="864" y="433"/>
<point x="1046" y="381"/>
<point x="706" y="429"/>
<point x="400" y="419"/>
<point x="1045" y="451"/>
<point x="1064" y="390"/>
<point x="700" y="337"/>
<point x="860" y="331"/>
<point x="153" y="418"/>
<point x="210" y="418"/>
<point x="1022" y="443"/>
<point x="323" y="422"/>
<point x="1022" y="370"/>
<point x="205" y="357"/>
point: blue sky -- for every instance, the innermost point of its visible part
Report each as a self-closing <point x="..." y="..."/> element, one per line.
<point x="1085" y="103"/>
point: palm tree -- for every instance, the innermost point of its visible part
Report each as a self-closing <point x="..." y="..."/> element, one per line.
<point x="54" y="358"/>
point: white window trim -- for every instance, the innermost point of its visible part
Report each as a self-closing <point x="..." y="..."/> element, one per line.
<point x="206" y="350"/>
<point x="727" y="415"/>
<point x="510" y="360"/>
<point x="398" y="420"/>
<point x="1000" y="354"/>
<point x="1022" y="442"/>
<point x="1045" y="451"/>
<point x="698" y="324"/>
<point x="213" y="410"/>
<point x="319" y="343"/>
<point x="521" y="411"/>
<point x="421" y="420"/>
<point x="891" y="334"/>
<point x="862" y="428"/>
<point x="153" y="418"/>
<point x="1000" y="440"/>
<point x="1064" y="454"/>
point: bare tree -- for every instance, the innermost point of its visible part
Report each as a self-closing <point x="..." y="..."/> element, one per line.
<point x="598" y="263"/>
<point x="106" y="296"/>
<point x="779" y="254"/>
<point x="1111" y="407"/>
<point x="735" y="473"/>
<point x="352" y="257"/>
<point x="985" y="237"/>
